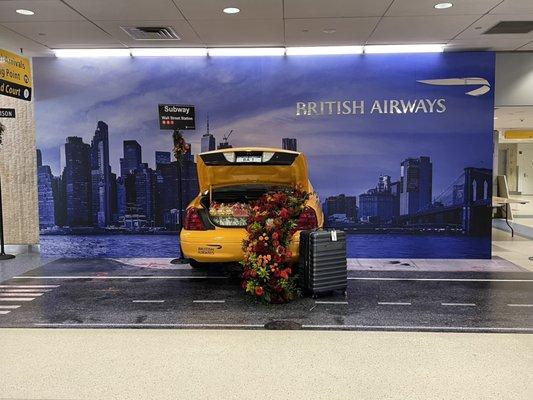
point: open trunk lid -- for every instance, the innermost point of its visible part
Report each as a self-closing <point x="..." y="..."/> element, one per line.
<point x="234" y="166"/>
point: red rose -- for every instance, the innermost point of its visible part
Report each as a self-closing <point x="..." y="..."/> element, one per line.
<point x="275" y="236"/>
<point x="284" y="213"/>
<point x="259" y="291"/>
<point x="284" y="275"/>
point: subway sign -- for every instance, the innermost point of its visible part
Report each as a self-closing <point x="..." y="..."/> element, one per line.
<point x="176" y="117"/>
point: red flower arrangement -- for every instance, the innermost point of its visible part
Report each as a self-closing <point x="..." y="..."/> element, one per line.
<point x="268" y="273"/>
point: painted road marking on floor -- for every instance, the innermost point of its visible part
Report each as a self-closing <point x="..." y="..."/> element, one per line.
<point x="520" y="305"/>
<point x="459" y="304"/>
<point x="17" y="299"/>
<point x="120" y="277"/>
<point x="28" y="286"/>
<point x="117" y="325"/>
<point x="353" y="278"/>
<point x="148" y="301"/>
<point x="255" y="326"/>
<point x="422" y="328"/>
<point x="19" y="294"/>
<point x="8" y="307"/>
<point x="209" y="301"/>
<point x="331" y="302"/>
<point x="4" y="312"/>
<point x="393" y="303"/>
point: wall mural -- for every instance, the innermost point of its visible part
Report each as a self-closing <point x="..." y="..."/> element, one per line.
<point x="399" y="146"/>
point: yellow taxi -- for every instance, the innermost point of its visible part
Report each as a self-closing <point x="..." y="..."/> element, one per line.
<point x="238" y="176"/>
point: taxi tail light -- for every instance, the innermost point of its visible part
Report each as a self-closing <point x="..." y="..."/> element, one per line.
<point x="193" y="222"/>
<point x="308" y="220"/>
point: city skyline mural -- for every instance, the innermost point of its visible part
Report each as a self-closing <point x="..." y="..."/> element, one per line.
<point x="388" y="154"/>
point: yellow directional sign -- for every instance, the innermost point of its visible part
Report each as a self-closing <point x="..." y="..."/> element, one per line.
<point x="15" y="76"/>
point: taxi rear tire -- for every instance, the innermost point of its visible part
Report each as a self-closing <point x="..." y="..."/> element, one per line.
<point x="197" y="264"/>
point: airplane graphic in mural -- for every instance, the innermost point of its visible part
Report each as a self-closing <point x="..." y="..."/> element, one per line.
<point x="484" y="85"/>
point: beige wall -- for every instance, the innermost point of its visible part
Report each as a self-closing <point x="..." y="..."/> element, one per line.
<point x="18" y="174"/>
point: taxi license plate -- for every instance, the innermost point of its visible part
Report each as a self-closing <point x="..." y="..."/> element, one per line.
<point x="249" y="159"/>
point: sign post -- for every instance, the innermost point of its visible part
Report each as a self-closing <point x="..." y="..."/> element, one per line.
<point x="177" y="117"/>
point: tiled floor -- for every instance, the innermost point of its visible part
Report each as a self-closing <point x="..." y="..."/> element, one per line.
<point x="515" y="249"/>
<point x="523" y="213"/>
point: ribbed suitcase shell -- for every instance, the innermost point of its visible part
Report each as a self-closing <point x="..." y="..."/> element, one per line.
<point x="322" y="261"/>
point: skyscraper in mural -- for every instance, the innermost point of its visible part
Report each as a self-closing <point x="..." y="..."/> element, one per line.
<point x="289" y="144"/>
<point x="132" y="157"/>
<point x="208" y="142"/>
<point x="101" y="190"/>
<point x="77" y="181"/>
<point x="162" y="157"/>
<point x="39" y="158"/>
<point x="379" y="204"/>
<point x="341" y="207"/>
<point x="45" y="185"/>
<point x="416" y="185"/>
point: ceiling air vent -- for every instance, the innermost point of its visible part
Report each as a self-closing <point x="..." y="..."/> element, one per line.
<point x="511" y="27"/>
<point x="151" y="32"/>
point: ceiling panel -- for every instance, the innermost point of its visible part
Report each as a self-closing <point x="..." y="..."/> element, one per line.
<point x="513" y="117"/>
<point x="419" y="29"/>
<point x="527" y="47"/>
<point x="243" y="32"/>
<point x="514" y="7"/>
<point x="485" y="43"/>
<point x="121" y="10"/>
<point x="13" y="41"/>
<point x="352" y="31"/>
<point x="64" y="34"/>
<point x="212" y="9"/>
<point x="182" y="28"/>
<point x="424" y="7"/>
<point x="488" y="21"/>
<point x="335" y="8"/>
<point x="48" y="10"/>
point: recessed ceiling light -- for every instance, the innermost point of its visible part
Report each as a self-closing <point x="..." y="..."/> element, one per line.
<point x="24" y="12"/>
<point x="231" y="10"/>
<point x="329" y="30"/>
<point x="442" y="6"/>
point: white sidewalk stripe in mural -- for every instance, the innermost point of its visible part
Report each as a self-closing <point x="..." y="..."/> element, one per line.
<point x="19" y="294"/>
<point x="28" y="286"/>
<point x="358" y="278"/>
<point x="120" y="277"/>
<point x="12" y="299"/>
<point x="148" y="301"/>
<point x="209" y="301"/>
